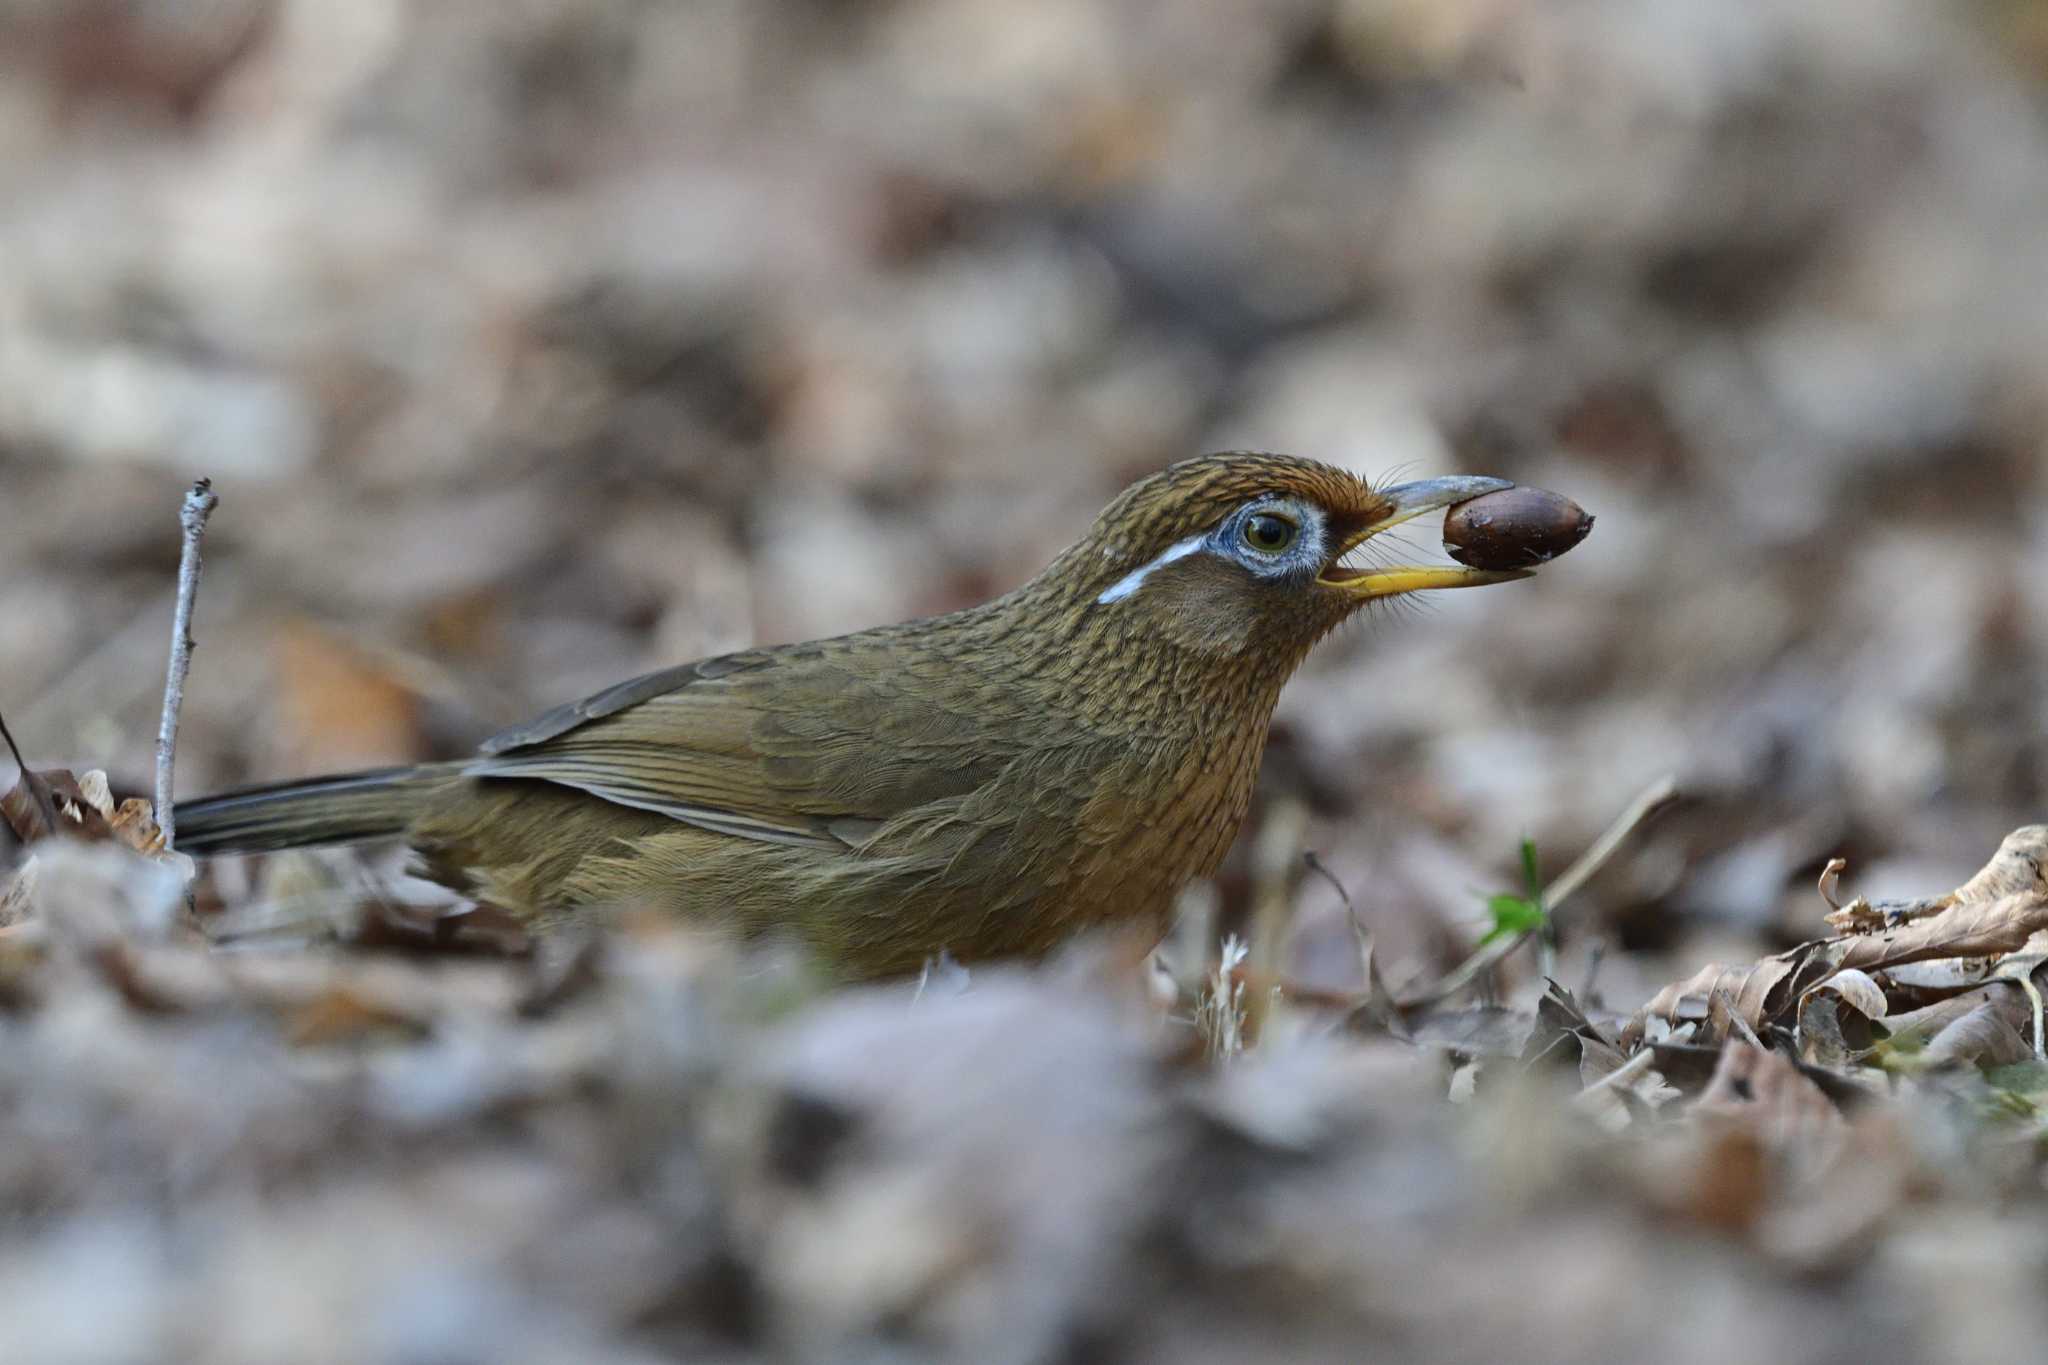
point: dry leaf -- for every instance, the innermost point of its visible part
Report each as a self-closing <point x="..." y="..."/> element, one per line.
<point x="1965" y="929"/>
<point x="2020" y="867"/>
<point x="1756" y="991"/>
<point x="1858" y="991"/>
<point x="1997" y="912"/>
<point x="1766" y="1093"/>
<point x="59" y="791"/>
<point x="1822" y="1040"/>
<point x="1993" y="1032"/>
<point x="1990" y="1026"/>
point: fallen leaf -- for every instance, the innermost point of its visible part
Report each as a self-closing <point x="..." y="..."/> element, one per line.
<point x="1990" y="1026"/>
<point x="1992" y="1033"/>
<point x="29" y="808"/>
<point x="134" y="824"/>
<point x="1766" y="1094"/>
<point x="2020" y="867"/>
<point x="1821" y="1040"/>
<point x="1996" y="913"/>
<point x="1825" y="1038"/>
<point x="1756" y="992"/>
<point x="1965" y="929"/>
<point x="56" y="791"/>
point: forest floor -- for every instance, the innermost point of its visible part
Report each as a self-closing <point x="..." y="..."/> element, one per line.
<point x="533" y="346"/>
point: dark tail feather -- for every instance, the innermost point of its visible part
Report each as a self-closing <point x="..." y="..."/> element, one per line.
<point x="321" y="810"/>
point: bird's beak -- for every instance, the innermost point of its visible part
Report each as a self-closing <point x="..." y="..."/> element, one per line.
<point x="1406" y="502"/>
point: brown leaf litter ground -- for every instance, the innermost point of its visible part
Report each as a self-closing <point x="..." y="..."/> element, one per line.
<point x="534" y="346"/>
<point x="634" y="1144"/>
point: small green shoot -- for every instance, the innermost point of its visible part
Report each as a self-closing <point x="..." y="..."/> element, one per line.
<point x="1524" y="914"/>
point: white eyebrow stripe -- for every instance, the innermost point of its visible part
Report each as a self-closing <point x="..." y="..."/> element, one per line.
<point x="1135" y="579"/>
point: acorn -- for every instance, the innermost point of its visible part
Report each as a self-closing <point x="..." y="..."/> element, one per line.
<point x="1514" y="528"/>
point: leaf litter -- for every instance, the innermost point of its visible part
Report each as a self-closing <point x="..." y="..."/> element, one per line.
<point x="241" y="1128"/>
<point x="677" y="1147"/>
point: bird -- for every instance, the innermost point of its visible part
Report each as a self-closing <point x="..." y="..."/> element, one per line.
<point x="985" y="784"/>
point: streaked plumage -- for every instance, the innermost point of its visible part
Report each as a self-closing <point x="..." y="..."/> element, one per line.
<point x="986" y="782"/>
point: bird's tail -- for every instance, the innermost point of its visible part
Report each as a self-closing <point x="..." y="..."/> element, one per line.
<point x="340" y="809"/>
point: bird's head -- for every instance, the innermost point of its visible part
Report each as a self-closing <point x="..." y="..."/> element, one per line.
<point x="1244" y="554"/>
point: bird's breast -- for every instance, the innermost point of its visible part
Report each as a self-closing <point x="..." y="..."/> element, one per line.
<point x="1139" y="842"/>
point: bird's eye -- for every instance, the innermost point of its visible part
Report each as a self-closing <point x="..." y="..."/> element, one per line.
<point x="1269" y="533"/>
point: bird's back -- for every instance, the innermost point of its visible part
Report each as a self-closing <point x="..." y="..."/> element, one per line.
<point x="875" y="794"/>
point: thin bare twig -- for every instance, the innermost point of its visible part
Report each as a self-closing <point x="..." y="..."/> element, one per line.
<point x="199" y="504"/>
<point x="1276" y="853"/>
<point x="1652" y="799"/>
<point x="1627" y="1071"/>
<point x="1595" y="955"/>
<point x="1314" y="862"/>
<point x="1736" y="1023"/>
<point x="2040" y="1024"/>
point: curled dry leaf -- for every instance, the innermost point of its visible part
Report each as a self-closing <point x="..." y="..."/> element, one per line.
<point x="1830" y="878"/>
<point x="2019" y="868"/>
<point x="57" y="791"/>
<point x="1994" y="914"/>
<point x="1757" y="992"/>
<point x="1858" y="991"/>
<point x="30" y="807"/>
<point x="1965" y="929"/>
<point x="1820" y="1026"/>
<point x="1993" y="1033"/>
<point x="84" y="808"/>
<point x="1615" y="1088"/>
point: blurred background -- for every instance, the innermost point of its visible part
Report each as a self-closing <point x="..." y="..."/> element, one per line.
<point x="533" y="344"/>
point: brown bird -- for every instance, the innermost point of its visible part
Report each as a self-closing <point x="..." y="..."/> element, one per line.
<point x="987" y="783"/>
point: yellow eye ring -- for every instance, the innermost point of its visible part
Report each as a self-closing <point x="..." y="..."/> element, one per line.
<point x="1269" y="533"/>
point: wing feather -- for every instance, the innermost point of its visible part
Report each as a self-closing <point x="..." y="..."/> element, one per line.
<point x="812" y="744"/>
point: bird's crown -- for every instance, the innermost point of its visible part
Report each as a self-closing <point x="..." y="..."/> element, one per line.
<point x="1193" y="496"/>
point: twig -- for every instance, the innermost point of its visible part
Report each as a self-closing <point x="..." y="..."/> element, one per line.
<point x="1736" y="1023"/>
<point x="2034" y="998"/>
<point x="1627" y="1071"/>
<point x="1653" y="799"/>
<point x="1314" y="862"/>
<point x="1276" y="853"/>
<point x="199" y="504"/>
<point x="1595" y="955"/>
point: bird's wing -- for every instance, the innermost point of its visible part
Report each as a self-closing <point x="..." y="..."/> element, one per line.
<point x="810" y="744"/>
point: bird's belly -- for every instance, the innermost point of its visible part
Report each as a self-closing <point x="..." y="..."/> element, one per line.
<point x="1014" y="871"/>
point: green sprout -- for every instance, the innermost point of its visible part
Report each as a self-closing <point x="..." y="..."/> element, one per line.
<point x="1524" y="914"/>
